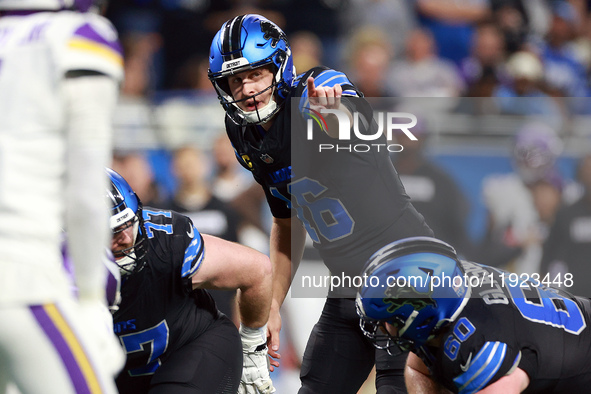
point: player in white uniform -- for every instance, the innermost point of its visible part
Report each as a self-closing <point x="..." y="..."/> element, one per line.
<point x="59" y="77"/>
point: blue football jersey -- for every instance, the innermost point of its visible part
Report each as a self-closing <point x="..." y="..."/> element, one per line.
<point x="350" y="202"/>
<point x="159" y="311"/>
<point x="509" y="324"/>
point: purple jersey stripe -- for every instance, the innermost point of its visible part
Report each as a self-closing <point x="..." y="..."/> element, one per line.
<point x="89" y="33"/>
<point x="113" y="281"/>
<point x="19" y="12"/>
<point x="60" y="344"/>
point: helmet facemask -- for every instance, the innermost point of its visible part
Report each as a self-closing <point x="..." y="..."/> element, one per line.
<point x="131" y="259"/>
<point x="242" y="117"/>
<point x="377" y="333"/>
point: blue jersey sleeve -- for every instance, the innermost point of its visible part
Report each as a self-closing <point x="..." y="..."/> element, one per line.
<point x="493" y="361"/>
<point x="194" y="252"/>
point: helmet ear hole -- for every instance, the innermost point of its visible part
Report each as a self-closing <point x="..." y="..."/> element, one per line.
<point x="425" y="323"/>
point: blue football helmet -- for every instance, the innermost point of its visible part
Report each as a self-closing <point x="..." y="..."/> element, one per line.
<point x="399" y="290"/>
<point x="244" y="43"/>
<point x="79" y="5"/>
<point x="126" y="212"/>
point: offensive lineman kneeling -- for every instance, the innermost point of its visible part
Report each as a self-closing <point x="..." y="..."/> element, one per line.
<point x="501" y="336"/>
<point x="175" y="338"/>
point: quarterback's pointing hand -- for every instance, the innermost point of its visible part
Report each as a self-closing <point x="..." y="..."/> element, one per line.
<point x="328" y="97"/>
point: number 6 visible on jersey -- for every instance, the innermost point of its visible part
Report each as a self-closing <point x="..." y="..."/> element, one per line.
<point x="542" y="305"/>
<point x="329" y="217"/>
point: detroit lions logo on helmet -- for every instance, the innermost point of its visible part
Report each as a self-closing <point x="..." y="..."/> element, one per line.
<point x="397" y="297"/>
<point x="271" y="32"/>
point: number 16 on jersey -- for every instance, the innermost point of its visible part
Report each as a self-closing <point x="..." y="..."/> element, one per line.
<point x="321" y="216"/>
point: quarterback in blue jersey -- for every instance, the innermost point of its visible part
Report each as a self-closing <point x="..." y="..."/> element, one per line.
<point x="351" y="204"/>
<point x="175" y="338"/>
<point x="480" y="330"/>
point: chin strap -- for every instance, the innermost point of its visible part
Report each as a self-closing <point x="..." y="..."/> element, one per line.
<point x="127" y="264"/>
<point x="259" y="115"/>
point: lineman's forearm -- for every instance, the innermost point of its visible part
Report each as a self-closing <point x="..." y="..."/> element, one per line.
<point x="254" y="304"/>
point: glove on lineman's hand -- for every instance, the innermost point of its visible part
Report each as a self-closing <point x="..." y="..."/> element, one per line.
<point x="255" y="365"/>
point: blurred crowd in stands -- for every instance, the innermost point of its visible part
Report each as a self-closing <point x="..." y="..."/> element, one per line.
<point x="432" y="48"/>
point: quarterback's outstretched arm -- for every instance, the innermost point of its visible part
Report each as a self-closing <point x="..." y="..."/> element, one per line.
<point x="286" y="241"/>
